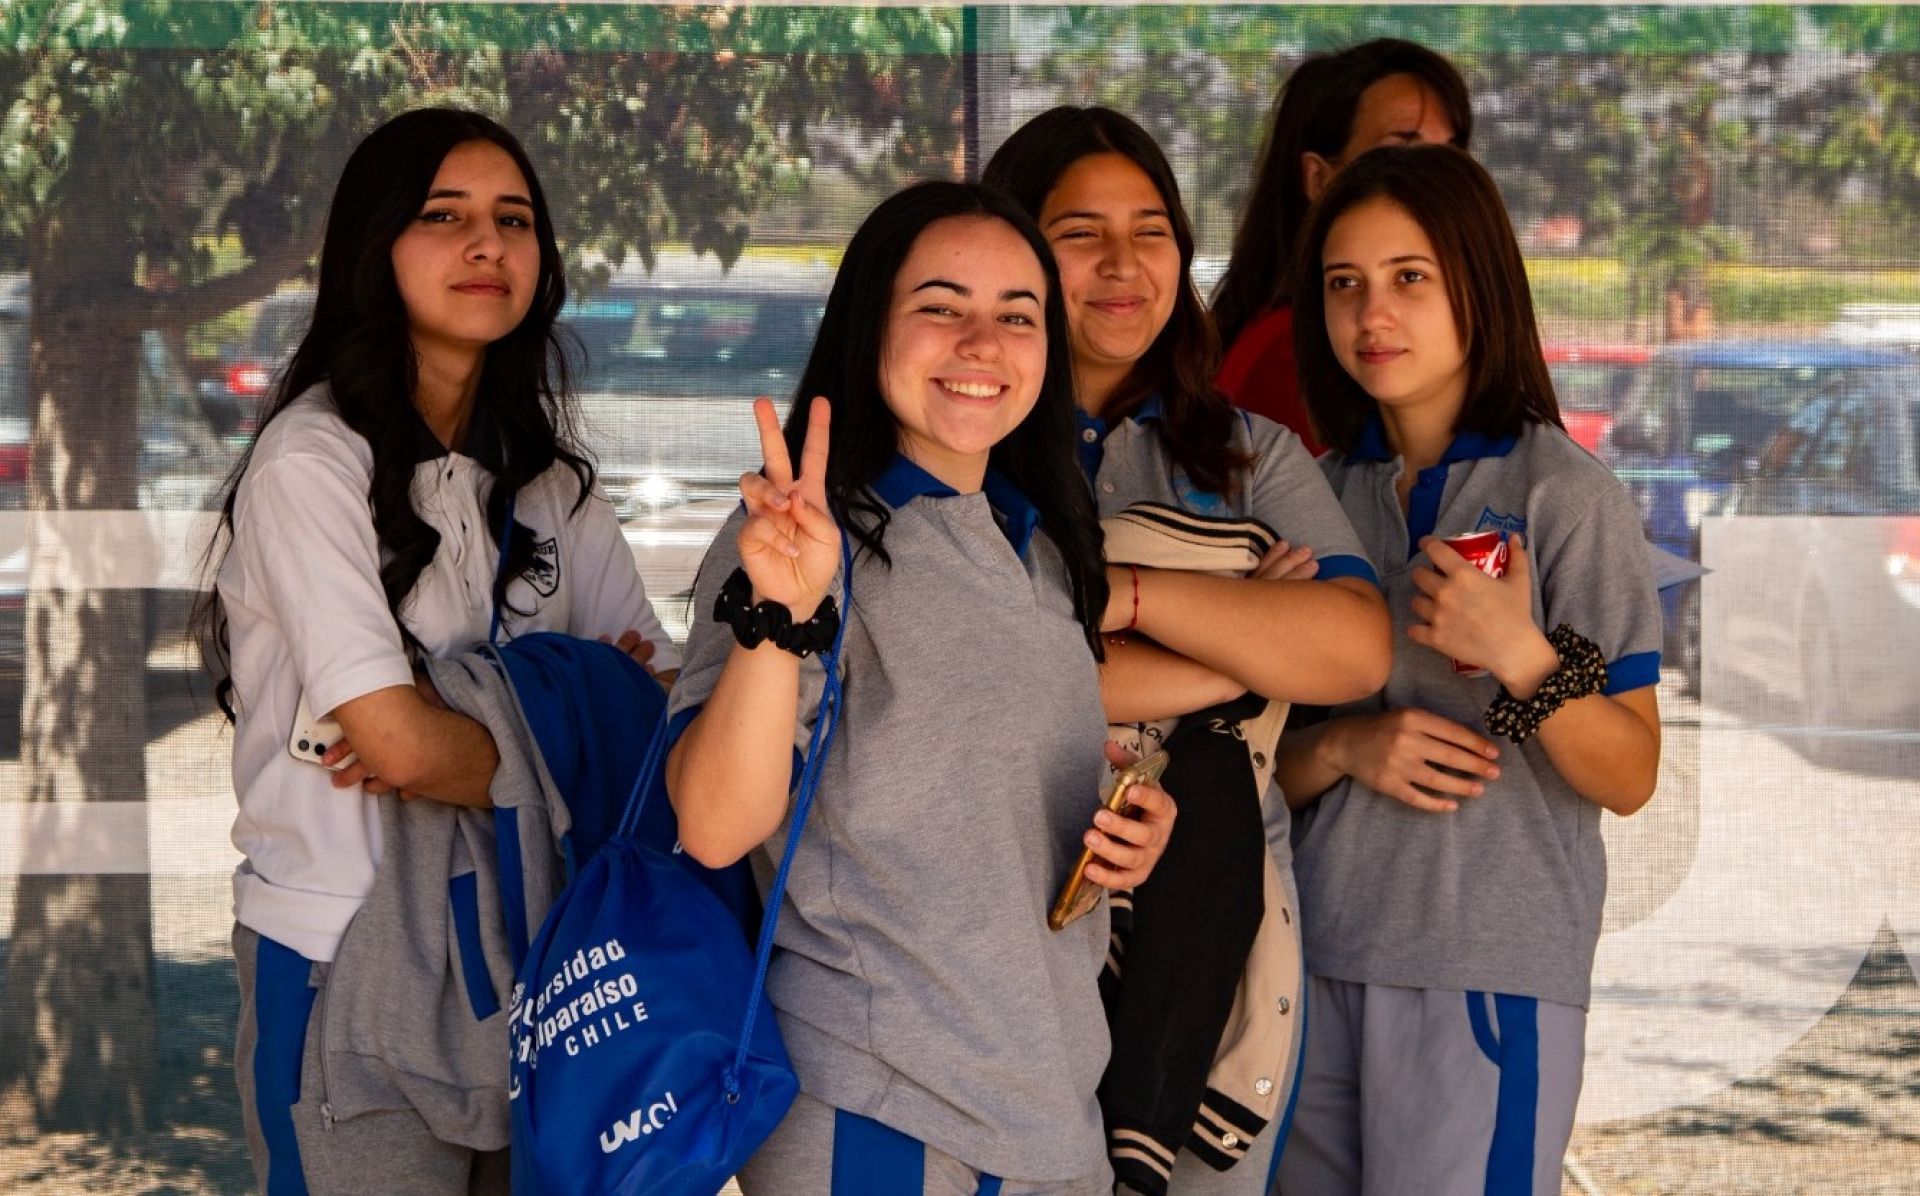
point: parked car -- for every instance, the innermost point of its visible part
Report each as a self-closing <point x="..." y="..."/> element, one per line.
<point x="238" y="397"/>
<point x="16" y="413"/>
<point x="1592" y="381"/>
<point x="182" y="463"/>
<point x="183" y="457"/>
<point x="1712" y="407"/>
<point x="1704" y="420"/>
<point x="673" y="361"/>
<point x="1887" y="325"/>
<point x="1823" y="556"/>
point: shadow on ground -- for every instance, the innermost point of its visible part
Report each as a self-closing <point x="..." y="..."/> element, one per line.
<point x="194" y="1144"/>
<point x="1837" y="1112"/>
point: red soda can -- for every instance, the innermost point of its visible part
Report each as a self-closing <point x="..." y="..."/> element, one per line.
<point x="1487" y="552"/>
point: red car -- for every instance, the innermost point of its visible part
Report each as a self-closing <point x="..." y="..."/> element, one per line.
<point x="1592" y="381"/>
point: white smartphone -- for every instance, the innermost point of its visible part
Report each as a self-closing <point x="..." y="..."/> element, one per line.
<point x="311" y="737"/>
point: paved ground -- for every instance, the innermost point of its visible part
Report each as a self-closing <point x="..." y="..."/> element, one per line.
<point x="1756" y="1026"/>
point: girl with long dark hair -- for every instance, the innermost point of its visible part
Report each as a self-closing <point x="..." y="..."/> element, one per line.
<point x="1152" y="428"/>
<point x="945" y="1039"/>
<point x="1333" y="108"/>
<point x="421" y="428"/>
<point x="1449" y="987"/>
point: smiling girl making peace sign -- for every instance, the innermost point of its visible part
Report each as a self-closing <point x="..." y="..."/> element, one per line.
<point x="946" y="1041"/>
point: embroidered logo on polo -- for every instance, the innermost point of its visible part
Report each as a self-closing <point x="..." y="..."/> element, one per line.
<point x="1492" y="520"/>
<point x="543" y="574"/>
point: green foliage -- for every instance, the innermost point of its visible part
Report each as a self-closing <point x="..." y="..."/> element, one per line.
<point x="1667" y="135"/>
<point x="221" y="119"/>
<point x="1597" y="291"/>
<point x="1804" y="297"/>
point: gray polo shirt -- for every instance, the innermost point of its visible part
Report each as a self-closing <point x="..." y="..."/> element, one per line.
<point x="916" y="981"/>
<point x="1285" y="489"/>
<point x="1504" y="894"/>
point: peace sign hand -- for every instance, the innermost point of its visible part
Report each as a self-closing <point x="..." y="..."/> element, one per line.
<point x="790" y="545"/>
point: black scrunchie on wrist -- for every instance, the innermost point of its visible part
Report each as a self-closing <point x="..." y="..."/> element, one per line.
<point x="757" y="623"/>
<point x="1582" y="671"/>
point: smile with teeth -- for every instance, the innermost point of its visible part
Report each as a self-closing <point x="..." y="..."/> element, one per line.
<point x="973" y="390"/>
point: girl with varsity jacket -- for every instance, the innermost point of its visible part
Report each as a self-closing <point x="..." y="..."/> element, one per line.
<point x="1185" y="647"/>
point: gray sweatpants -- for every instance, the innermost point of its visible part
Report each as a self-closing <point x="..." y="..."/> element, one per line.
<point x="277" y="1066"/>
<point x="799" y="1160"/>
<point x="1429" y="1091"/>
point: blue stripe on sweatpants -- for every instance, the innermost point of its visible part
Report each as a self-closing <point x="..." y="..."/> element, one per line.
<point x="282" y="1004"/>
<point x="1510" y="1158"/>
<point x="870" y="1159"/>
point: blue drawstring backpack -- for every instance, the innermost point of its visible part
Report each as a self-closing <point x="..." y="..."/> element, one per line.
<point x="645" y="1057"/>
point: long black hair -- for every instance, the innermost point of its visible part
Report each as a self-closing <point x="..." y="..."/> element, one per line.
<point x="360" y="347"/>
<point x="1037" y="456"/>
<point x="1180" y="364"/>
<point x="1456" y="203"/>
<point x="1314" y="113"/>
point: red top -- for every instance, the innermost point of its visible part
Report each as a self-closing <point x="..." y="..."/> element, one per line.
<point x="1259" y="375"/>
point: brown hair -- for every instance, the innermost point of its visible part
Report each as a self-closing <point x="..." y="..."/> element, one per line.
<point x="1197" y="421"/>
<point x="1314" y="113"/>
<point x="1453" y="199"/>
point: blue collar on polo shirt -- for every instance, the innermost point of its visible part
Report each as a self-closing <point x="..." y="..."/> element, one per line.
<point x="1423" y="501"/>
<point x="1466" y="446"/>
<point x="482" y="444"/>
<point x="902" y="481"/>
<point x="1090" y="433"/>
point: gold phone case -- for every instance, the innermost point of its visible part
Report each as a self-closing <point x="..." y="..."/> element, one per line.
<point x="1077" y="897"/>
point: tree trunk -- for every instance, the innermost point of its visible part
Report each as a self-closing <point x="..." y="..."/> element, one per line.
<point x="77" y="1028"/>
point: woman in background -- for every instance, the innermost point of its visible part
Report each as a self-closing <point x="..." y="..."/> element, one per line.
<point x="1333" y="108"/>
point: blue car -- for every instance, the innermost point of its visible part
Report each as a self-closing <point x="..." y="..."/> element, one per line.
<point x="1703" y="423"/>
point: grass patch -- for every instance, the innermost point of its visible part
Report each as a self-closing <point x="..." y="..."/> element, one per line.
<point x="1598" y="289"/>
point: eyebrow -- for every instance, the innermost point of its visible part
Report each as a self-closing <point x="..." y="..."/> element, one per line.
<point x="967" y="292"/>
<point x="1083" y="215"/>
<point x="1392" y="261"/>
<point x="450" y="193"/>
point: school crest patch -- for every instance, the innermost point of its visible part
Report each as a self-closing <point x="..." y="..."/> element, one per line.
<point x="543" y="574"/>
<point x="1492" y="520"/>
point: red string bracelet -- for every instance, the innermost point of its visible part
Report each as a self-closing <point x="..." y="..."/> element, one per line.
<point x="1135" y="621"/>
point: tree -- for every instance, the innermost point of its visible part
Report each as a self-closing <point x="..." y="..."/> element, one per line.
<point x="162" y="163"/>
<point x="1666" y="133"/>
